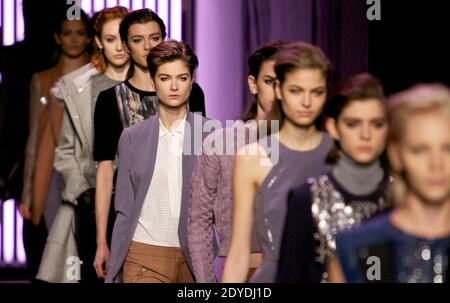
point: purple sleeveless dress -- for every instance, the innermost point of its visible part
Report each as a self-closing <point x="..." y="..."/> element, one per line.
<point x="270" y="205"/>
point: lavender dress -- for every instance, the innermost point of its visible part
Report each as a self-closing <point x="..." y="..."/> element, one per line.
<point x="292" y="169"/>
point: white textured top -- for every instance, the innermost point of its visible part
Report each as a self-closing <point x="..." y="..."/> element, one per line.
<point x="158" y="221"/>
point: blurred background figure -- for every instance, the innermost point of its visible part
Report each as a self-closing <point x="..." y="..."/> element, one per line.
<point x="211" y="200"/>
<point x="355" y="189"/>
<point x="74" y="233"/>
<point x="260" y="191"/>
<point x="411" y="244"/>
<point x="42" y="187"/>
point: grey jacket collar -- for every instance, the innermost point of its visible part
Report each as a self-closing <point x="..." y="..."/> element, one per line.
<point x="77" y="98"/>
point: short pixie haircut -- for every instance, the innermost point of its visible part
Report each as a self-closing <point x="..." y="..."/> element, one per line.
<point x="169" y="51"/>
<point x="140" y="16"/>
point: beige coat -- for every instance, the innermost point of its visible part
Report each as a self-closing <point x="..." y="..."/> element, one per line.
<point x="45" y="122"/>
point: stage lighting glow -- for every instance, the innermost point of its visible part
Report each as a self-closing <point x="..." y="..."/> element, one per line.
<point x="125" y="3"/>
<point x="163" y="12"/>
<point x="175" y="19"/>
<point x="151" y="4"/>
<point x="8" y="23"/>
<point x="11" y="228"/>
<point x="20" y="249"/>
<point x="137" y="4"/>
<point x="98" y="5"/>
<point x="111" y="3"/>
<point x="8" y="231"/>
<point x="20" y="30"/>
<point x="86" y="5"/>
<point x="170" y="11"/>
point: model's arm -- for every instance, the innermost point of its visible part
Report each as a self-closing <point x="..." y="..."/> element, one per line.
<point x="124" y="196"/>
<point x="335" y="272"/>
<point x="205" y="179"/>
<point x="30" y="151"/>
<point x="105" y="145"/>
<point x="244" y="189"/>
<point x="103" y="194"/>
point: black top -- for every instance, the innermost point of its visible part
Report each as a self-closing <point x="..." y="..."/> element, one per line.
<point x="197" y="100"/>
<point x="108" y="125"/>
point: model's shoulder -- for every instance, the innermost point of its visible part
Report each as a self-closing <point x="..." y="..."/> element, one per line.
<point x="85" y="70"/>
<point x="143" y="126"/>
<point x="370" y="231"/>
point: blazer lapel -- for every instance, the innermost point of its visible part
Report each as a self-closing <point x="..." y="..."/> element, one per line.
<point x="73" y="110"/>
<point x="146" y="160"/>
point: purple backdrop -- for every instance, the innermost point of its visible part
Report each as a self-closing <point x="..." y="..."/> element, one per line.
<point x="226" y="32"/>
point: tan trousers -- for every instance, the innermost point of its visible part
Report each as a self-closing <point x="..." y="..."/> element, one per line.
<point x="155" y="264"/>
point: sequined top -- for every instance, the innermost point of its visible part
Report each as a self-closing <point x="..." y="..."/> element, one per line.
<point x="292" y="169"/>
<point x="395" y="255"/>
<point x="317" y="210"/>
<point x="332" y="212"/>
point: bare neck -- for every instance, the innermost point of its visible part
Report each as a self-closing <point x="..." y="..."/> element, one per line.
<point x="169" y="116"/>
<point x="299" y="138"/>
<point x="141" y="79"/>
<point x="117" y="73"/>
<point x="67" y="64"/>
<point x="423" y="219"/>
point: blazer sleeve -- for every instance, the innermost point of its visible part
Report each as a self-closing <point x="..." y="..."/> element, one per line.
<point x="66" y="164"/>
<point x="124" y="193"/>
<point x="123" y="202"/>
<point x="200" y="228"/>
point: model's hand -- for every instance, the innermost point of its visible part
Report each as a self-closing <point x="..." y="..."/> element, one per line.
<point x="25" y="211"/>
<point x="101" y="262"/>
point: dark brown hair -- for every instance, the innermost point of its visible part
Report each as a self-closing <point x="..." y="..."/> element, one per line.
<point x="359" y="87"/>
<point x="169" y="51"/>
<point x="300" y="55"/>
<point x="263" y="54"/>
<point x="144" y="15"/>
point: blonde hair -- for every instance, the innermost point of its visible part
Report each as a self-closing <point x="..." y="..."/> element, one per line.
<point x="419" y="99"/>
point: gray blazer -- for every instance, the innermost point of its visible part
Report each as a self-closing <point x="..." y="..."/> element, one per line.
<point x="74" y="154"/>
<point x="137" y="156"/>
<point x="74" y="160"/>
